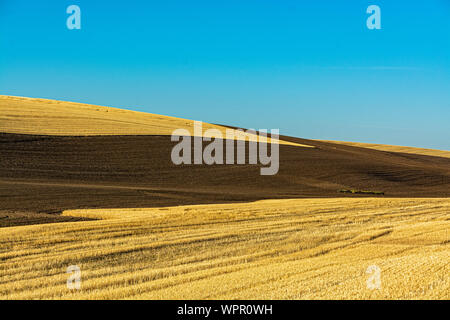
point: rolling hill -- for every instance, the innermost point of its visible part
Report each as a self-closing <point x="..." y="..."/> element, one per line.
<point x="141" y="227"/>
<point x="58" y="156"/>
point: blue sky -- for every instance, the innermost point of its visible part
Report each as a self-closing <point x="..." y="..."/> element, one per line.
<point x="310" y="68"/>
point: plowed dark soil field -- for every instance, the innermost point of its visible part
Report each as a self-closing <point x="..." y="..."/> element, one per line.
<point x="42" y="175"/>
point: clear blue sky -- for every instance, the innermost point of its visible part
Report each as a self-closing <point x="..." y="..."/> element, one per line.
<point x="310" y="68"/>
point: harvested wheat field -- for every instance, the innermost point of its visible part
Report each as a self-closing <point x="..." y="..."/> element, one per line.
<point x="61" y="118"/>
<point x="70" y="174"/>
<point x="269" y="249"/>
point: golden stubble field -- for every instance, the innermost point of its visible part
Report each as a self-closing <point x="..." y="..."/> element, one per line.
<point x="61" y="118"/>
<point x="270" y="249"/>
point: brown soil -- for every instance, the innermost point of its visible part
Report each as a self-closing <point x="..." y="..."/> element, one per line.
<point x="42" y="175"/>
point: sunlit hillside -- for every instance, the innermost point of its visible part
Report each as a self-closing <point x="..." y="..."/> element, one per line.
<point x="52" y="117"/>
